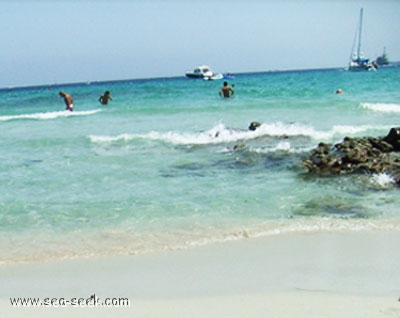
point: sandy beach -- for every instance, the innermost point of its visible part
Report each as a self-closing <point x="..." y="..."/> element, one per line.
<point x="303" y="275"/>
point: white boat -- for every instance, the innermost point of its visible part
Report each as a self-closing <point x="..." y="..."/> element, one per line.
<point x="213" y="77"/>
<point x="204" y="72"/>
<point x="357" y="60"/>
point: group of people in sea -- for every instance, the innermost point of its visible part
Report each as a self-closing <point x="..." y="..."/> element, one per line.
<point x="69" y="102"/>
<point x="226" y="91"/>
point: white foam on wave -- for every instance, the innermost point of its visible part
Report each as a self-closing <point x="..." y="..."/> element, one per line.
<point x="291" y="129"/>
<point x="223" y="134"/>
<point x="382" y="180"/>
<point x="353" y="130"/>
<point x="323" y="225"/>
<point x="110" y="139"/>
<point x="49" y="115"/>
<point x="382" y="107"/>
<point x="218" y="134"/>
<point x="283" y="146"/>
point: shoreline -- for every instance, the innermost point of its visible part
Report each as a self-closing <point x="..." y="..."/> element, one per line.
<point x="306" y="275"/>
<point x="118" y="242"/>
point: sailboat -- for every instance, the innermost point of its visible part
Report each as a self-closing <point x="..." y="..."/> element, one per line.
<point x="357" y="61"/>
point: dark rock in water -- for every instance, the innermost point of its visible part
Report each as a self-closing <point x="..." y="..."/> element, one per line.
<point x="381" y="145"/>
<point x="330" y="206"/>
<point x="352" y="155"/>
<point x="254" y="125"/>
<point x="393" y="138"/>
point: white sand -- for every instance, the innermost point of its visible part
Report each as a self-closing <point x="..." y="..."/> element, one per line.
<point x="318" y="275"/>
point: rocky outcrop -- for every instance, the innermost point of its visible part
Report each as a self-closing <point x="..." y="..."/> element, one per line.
<point x="352" y="155"/>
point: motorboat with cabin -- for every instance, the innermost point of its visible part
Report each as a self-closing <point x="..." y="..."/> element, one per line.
<point x="204" y="72"/>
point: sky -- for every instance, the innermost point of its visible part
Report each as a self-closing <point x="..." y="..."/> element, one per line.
<point x="68" y="41"/>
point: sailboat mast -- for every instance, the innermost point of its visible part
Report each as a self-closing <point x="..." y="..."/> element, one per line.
<point x="359" y="34"/>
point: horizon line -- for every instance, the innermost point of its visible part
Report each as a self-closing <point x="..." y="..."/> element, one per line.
<point x="90" y="82"/>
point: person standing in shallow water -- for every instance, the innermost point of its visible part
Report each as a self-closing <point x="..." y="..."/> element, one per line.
<point x="105" y="97"/>
<point x="69" y="102"/>
<point x="226" y="90"/>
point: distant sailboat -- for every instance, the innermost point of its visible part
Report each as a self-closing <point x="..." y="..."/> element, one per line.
<point x="357" y="61"/>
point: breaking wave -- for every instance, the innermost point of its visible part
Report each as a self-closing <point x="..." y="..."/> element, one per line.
<point x="217" y="134"/>
<point x="382" y="180"/>
<point x="382" y="107"/>
<point x="223" y="134"/>
<point x="49" y="115"/>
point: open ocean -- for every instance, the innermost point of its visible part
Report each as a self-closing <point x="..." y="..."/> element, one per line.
<point x="156" y="169"/>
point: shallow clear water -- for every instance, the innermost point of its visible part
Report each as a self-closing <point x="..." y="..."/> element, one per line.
<point x="157" y="168"/>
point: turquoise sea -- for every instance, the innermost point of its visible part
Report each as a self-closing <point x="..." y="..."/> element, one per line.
<point x="157" y="168"/>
